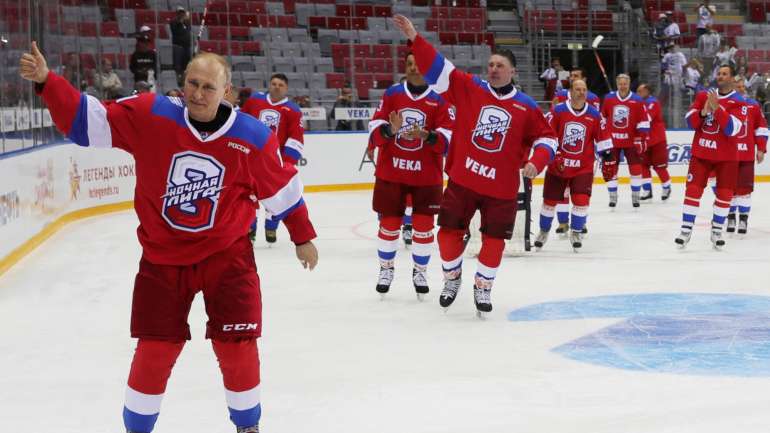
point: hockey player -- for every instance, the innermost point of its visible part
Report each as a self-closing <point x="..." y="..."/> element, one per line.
<point x="284" y="118"/>
<point x="716" y="116"/>
<point x="495" y="130"/>
<point x="629" y="125"/>
<point x="200" y="166"/>
<point x="753" y="135"/>
<point x="562" y="207"/>
<point x="412" y="129"/>
<point x="581" y="132"/>
<point x="656" y="154"/>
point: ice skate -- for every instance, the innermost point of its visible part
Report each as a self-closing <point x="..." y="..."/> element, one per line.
<point x="252" y="429"/>
<point x="743" y="224"/>
<point x="270" y="236"/>
<point x="613" y="198"/>
<point x="585" y="230"/>
<point x="635" y="197"/>
<point x="420" y="282"/>
<point x="716" y="239"/>
<point x="452" y="282"/>
<point x="482" y="297"/>
<point x="731" y="223"/>
<point x="406" y="234"/>
<point x="576" y="239"/>
<point x="386" y="278"/>
<point x="562" y="230"/>
<point x="665" y="194"/>
<point x="647" y="195"/>
<point x="540" y="240"/>
<point x="683" y="238"/>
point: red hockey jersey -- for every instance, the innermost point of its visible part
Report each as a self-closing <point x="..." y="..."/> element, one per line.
<point x="493" y="135"/>
<point x="591" y="98"/>
<point x="580" y="135"/>
<point x="626" y="117"/>
<point x="411" y="162"/>
<point x="657" y="124"/>
<point x="195" y="195"/>
<point x="715" y="135"/>
<point x="284" y="118"/>
<point x="753" y="132"/>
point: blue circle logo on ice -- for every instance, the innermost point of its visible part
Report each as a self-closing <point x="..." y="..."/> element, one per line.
<point x="693" y="334"/>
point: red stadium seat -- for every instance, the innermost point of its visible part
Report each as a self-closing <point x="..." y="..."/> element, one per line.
<point x="239" y="33"/>
<point x="477" y="13"/>
<point x="239" y="7"/>
<point x="289" y="6"/>
<point x="432" y="25"/>
<point x="317" y="22"/>
<point x="382" y="51"/>
<point x="448" y="38"/>
<point x="472" y="25"/>
<point x="756" y="56"/>
<point x="343" y="10"/>
<point x="440" y="12"/>
<point x="144" y="17"/>
<point x="335" y="80"/>
<point x="87" y="61"/>
<point x="379" y="65"/>
<point x="363" y="10"/>
<point x="249" y="20"/>
<point x="383" y="11"/>
<point x="362" y="50"/>
<point x="253" y="7"/>
<point x="218" y="33"/>
<point x="210" y="46"/>
<point x="362" y="83"/>
<point x="110" y="29"/>
<point x="251" y="48"/>
<point x="340" y="51"/>
<point x="453" y="25"/>
<point x="757" y="12"/>
<point x="287" y="21"/>
<point x="359" y="23"/>
<point x="87" y="29"/>
<point x="383" y="81"/>
<point x="165" y="17"/>
<point x="469" y="38"/>
<point x="402" y="51"/>
<point x="338" y="23"/>
<point x="458" y="13"/>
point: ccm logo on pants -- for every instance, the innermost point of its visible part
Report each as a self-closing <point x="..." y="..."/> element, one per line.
<point x="240" y="327"/>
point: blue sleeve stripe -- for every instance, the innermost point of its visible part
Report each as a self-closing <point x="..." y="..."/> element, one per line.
<point x="292" y="153"/>
<point x="550" y="150"/>
<point x="79" y="130"/>
<point x="285" y="213"/>
<point x="435" y="69"/>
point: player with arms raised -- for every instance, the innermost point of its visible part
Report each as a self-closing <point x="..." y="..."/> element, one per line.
<point x="581" y="133"/>
<point x="284" y="118"/>
<point x="412" y="129"/>
<point x="752" y="144"/>
<point x="716" y="116"/>
<point x="629" y="125"/>
<point x="656" y="154"/>
<point x="495" y="130"/>
<point x="200" y="168"/>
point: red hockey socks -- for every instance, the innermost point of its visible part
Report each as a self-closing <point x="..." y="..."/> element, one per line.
<point x="239" y="363"/>
<point x="422" y="239"/>
<point x="450" y="246"/>
<point x="150" y="370"/>
<point x="390" y="230"/>
<point x="490" y="256"/>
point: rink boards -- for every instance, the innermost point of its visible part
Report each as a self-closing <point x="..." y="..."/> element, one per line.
<point x="43" y="189"/>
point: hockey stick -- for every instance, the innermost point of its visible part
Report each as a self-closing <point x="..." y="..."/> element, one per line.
<point x="595" y="45"/>
<point x="202" y="27"/>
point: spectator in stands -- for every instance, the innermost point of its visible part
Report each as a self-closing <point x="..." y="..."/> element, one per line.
<point x="550" y="78"/>
<point x="673" y="67"/>
<point x="705" y="13"/>
<point x="143" y="61"/>
<point x="346" y="100"/>
<point x="672" y="32"/>
<point x="763" y="89"/>
<point x="108" y="82"/>
<point x="708" y="46"/>
<point x="181" y="41"/>
<point x="70" y="69"/>
<point x="725" y="56"/>
<point x="692" y="77"/>
<point x="145" y="38"/>
<point x="142" y="87"/>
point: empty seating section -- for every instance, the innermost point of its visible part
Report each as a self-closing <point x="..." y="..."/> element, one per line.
<point x="319" y="44"/>
<point x="575" y="21"/>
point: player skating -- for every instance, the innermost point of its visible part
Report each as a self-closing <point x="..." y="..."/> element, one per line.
<point x="629" y="125"/>
<point x="715" y="115"/>
<point x="284" y="118"/>
<point x="562" y="207"/>
<point x="495" y="130"/>
<point x="656" y="155"/>
<point x="200" y="167"/>
<point x="412" y="129"/>
<point x="752" y="144"/>
<point x="581" y="132"/>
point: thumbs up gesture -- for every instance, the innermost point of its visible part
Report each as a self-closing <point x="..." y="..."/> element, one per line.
<point x="33" y="66"/>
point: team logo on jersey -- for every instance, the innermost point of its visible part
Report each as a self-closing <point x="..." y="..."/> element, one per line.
<point x="271" y="119"/>
<point x="710" y="125"/>
<point x="574" y="138"/>
<point x="411" y="118"/>
<point x="490" y="130"/>
<point x="620" y="116"/>
<point x="192" y="192"/>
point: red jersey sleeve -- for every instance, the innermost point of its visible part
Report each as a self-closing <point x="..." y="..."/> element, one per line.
<point x="444" y="124"/>
<point x="543" y="138"/>
<point x="761" y="132"/>
<point x="439" y="72"/>
<point x="295" y="137"/>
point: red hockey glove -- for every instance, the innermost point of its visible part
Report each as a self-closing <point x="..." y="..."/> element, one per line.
<point x="558" y="162"/>
<point x="609" y="166"/>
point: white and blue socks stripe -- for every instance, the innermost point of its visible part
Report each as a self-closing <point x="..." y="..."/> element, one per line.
<point x="579" y="217"/>
<point x="546" y="217"/>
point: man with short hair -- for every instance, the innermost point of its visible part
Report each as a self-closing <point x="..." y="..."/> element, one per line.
<point x="284" y="118"/>
<point x="200" y="169"/>
<point x="108" y="82"/>
<point x="656" y="154"/>
<point x="181" y="40"/>
<point x="717" y="117"/>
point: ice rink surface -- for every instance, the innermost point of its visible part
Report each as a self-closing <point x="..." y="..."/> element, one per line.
<point x="630" y="335"/>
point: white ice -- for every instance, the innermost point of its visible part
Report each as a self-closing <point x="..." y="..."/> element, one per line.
<point x="337" y="359"/>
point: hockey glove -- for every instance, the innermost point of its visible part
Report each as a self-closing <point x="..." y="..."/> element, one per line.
<point x="558" y="162"/>
<point x="609" y="166"/>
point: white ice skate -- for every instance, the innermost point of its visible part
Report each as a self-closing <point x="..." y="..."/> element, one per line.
<point x="613" y="198"/>
<point x="452" y="282"/>
<point x="482" y="297"/>
<point x="716" y="239"/>
<point x="743" y="224"/>
<point x="683" y="239"/>
<point x="576" y="239"/>
<point x="540" y="240"/>
<point x="420" y="282"/>
<point x="635" y="199"/>
<point x="386" y="278"/>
